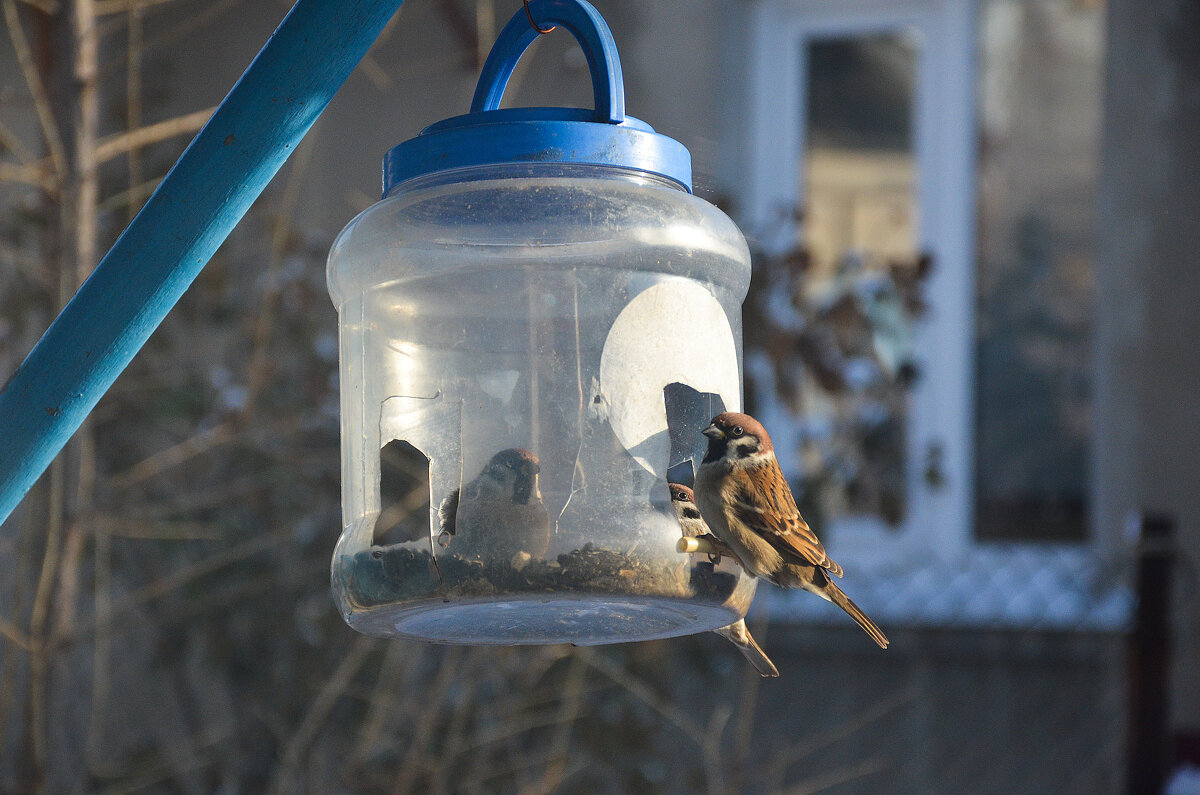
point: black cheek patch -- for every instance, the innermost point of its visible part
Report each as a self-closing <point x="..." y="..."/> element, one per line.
<point x="716" y="450"/>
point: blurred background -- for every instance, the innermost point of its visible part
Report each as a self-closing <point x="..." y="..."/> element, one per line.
<point x="971" y="331"/>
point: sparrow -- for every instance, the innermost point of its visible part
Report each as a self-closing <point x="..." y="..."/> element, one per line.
<point x="692" y="524"/>
<point x="500" y="512"/>
<point x="745" y="500"/>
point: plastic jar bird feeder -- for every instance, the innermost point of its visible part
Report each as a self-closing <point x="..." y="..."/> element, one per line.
<point x="541" y="307"/>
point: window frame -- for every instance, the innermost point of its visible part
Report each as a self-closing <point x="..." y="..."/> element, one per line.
<point x="938" y="529"/>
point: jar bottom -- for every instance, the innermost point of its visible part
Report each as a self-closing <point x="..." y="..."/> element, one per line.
<point x="520" y="620"/>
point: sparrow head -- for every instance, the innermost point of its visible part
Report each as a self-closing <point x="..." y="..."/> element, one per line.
<point x="736" y="436"/>
<point x="683" y="501"/>
<point x="514" y="471"/>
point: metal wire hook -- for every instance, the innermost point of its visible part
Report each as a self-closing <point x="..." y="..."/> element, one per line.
<point x="533" y="24"/>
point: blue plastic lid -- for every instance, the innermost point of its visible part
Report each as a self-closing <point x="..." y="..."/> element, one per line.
<point x="488" y="136"/>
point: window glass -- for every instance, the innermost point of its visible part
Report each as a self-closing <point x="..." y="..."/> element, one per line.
<point x="859" y="232"/>
<point x="860" y="169"/>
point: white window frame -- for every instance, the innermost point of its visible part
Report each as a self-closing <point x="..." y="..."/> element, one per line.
<point x="938" y="520"/>
<point x="932" y="569"/>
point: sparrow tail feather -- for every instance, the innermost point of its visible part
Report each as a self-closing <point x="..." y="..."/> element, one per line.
<point x="740" y="636"/>
<point x="836" y="595"/>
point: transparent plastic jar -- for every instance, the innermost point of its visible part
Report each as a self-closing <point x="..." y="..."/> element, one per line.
<point x="551" y="335"/>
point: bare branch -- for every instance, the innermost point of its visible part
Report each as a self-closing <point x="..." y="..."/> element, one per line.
<point x="69" y="580"/>
<point x="839" y="776"/>
<point x="714" y="757"/>
<point x="357" y="200"/>
<point x="319" y="711"/>
<point x="369" y="67"/>
<point x="485" y="29"/>
<point x="811" y="745"/>
<point x="184" y="27"/>
<point x="11" y="141"/>
<point x="127" y="527"/>
<point x="447" y="768"/>
<point x="376" y="74"/>
<point x="530" y="761"/>
<point x="106" y="7"/>
<point x="186" y="501"/>
<point x="383" y="700"/>
<point x="133" y="94"/>
<point x="50" y="557"/>
<point x="172" y="765"/>
<point x="643" y="692"/>
<point x="32" y="174"/>
<point x="15" y="655"/>
<point x="174" y="455"/>
<point x="569" y="712"/>
<point x="11" y="631"/>
<point x="524" y="721"/>
<point x="120" y="143"/>
<point x="132" y="196"/>
<point x="101" y="652"/>
<point x="747" y="708"/>
<point x="179" y="578"/>
<point x="426" y="720"/>
<point x="257" y="370"/>
<point x="39" y="660"/>
<point x="48" y="7"/>
<point x="41" y="99"/>
<point x="86" y="185"/>
<point x="195" y="445"/>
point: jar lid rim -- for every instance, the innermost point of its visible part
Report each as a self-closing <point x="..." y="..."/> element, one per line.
<point x="536" y="135"/>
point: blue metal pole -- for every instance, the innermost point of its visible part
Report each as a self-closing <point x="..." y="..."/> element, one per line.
<point x="164" y="248"/>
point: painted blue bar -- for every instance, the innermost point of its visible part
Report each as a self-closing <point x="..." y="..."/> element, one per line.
<point x="155" y="260"/>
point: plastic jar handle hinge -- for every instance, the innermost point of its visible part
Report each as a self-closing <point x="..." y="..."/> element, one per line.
<point x="589" y="29"/>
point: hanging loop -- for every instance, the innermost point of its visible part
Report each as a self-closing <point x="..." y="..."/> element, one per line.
<point x="533" y="24"/>
<point x="589" y="29"/>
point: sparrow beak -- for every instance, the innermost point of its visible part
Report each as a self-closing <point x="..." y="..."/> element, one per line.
<point x="713" y="432"/>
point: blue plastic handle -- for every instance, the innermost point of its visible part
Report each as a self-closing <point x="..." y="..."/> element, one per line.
<point x="589" y="29"/>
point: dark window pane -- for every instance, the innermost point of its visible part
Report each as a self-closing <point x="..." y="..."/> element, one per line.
<point x="1041" y="70"/>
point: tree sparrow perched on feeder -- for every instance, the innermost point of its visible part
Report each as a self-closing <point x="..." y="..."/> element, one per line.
<point x="693" y="526"/>
<point x="745" y="500"/>
<point x="500" y="513"/>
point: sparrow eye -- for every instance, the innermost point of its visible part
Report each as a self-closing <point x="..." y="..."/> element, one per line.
<point x="736" y="431"/>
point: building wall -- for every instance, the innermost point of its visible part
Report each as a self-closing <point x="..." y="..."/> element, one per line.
<point x="1147" y="411"/>
<point x="425" y="68"/>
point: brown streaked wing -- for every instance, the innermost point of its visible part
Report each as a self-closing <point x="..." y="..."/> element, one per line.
<point x="773" y="512"/>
